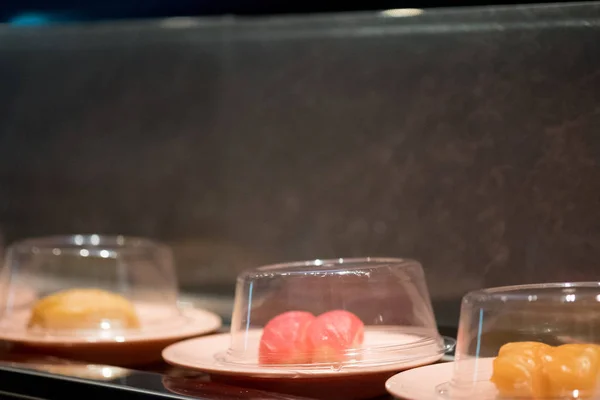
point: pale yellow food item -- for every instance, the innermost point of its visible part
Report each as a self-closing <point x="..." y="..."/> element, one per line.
<point x="84" y="309"/>
<point x="573" y="368"/>
<point x="519" y="370"/>
<point x="537" y="371"/>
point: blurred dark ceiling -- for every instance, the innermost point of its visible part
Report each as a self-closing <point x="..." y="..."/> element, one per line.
<point x="40" y="12"/>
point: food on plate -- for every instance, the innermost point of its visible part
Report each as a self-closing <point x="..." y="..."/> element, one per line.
<point x="518" y="370"/>
<point x="284" y="339"/>
<point x="298" y="337"/>
<point x="84" y="309"/>
<point x="530" y="349"/>
<point x="536" y="370"/>
<point x="573" y="367"/>
<point x="333" y="335"/>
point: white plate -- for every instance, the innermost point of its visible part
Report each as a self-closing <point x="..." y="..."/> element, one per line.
<point x="428" y="383"/>
<point x="206" y="354"/>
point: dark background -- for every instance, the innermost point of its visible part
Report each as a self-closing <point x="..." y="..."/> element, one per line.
<point x="467" y="140"/>
<point x="42" y="12"/>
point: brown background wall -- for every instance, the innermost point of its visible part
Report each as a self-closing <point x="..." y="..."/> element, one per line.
<point x="467" y="140"/>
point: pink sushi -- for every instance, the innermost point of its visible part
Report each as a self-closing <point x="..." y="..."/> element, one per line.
<point x="332" y="334"/>
<point x="284" y="339"/>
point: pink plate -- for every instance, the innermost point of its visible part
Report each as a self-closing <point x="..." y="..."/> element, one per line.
<point x="206" y="354"/>
<point x="160" y="327"/>
<point x="157" y="323"/>
<point x="431" y="382"/>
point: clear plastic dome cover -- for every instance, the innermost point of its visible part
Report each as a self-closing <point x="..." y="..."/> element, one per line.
<point x="528" y="342"/>
<point x="86" y="286"/>
<point x="341" y="313"/>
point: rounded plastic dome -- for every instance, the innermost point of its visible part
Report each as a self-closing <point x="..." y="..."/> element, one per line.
<point x="528" y="342"/>
<point x="341" y="314"/>
<point x="87" y="286"/>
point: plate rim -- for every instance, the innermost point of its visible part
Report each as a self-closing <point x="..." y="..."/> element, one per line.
<point x="440" y="374"/>
<point x="220" y="343"/>
<point x="211" y="323"/>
